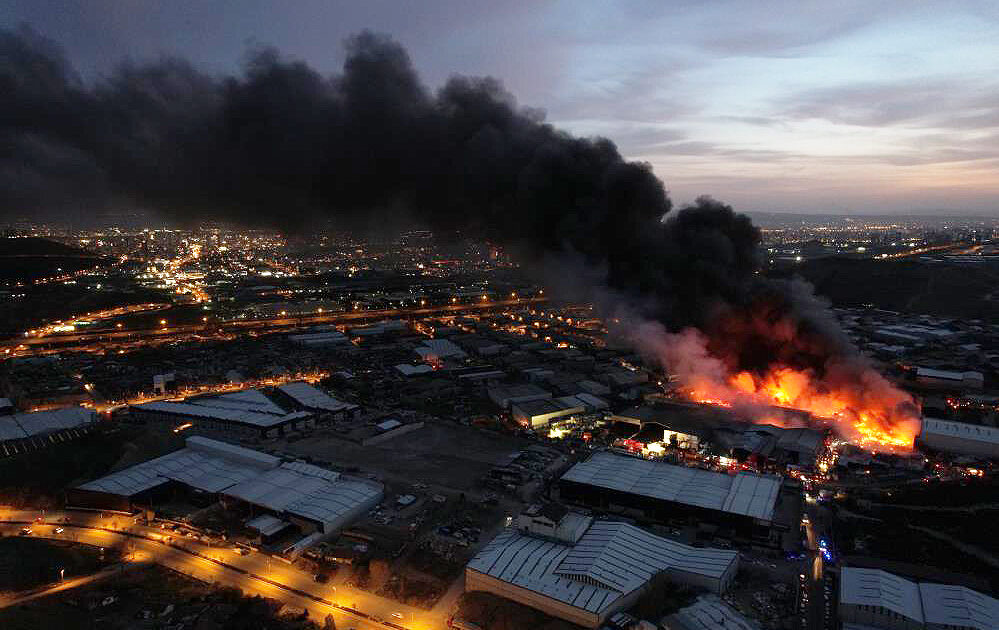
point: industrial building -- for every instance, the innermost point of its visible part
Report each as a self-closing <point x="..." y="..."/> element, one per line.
<point x="570" y="566"/>
<point x="538" y="413"/>
<point x="507" y="395"/>
<point x="959" y="437"/>
<point x="221" y="418"/>
<point x="949" y="380"/>
<point x="709" y="612"/>
<point x="25" y="431"/>
<point x="314" y="400"/>
<point x="872" y="598"/>
<point x="746" y="502"/>
<point x="314" y="499"/>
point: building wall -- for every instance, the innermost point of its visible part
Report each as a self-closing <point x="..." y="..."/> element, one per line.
<point x="876" y="616"/>
<point x="953" y="444"/>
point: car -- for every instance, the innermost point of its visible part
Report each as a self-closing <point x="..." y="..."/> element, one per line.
<point x="397" y="615"/>
<point x="25" y="531"/>
<point x="58" y="530"/>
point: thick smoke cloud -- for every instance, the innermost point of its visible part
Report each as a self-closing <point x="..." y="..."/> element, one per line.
<point x="280" y="144"/>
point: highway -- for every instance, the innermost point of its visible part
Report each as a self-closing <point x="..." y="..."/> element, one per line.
<point x="255" y="573"/>
<point x="30" y="345"/>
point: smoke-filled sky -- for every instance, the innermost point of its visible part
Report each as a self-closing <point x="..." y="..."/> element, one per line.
<point x="864" y="106"/>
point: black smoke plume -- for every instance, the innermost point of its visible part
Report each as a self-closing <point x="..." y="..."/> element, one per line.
<point x="280" y="144"/>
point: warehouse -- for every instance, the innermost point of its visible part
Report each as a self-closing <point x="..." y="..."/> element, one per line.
<point x="507" y="395"/>
<point x="709" y="612"/>
<point x="22" y="432"/>
<point x="236" y="421"/>
<point x="747" y="502"/>
<point x="948" y="380"/>
<point x="959" y="437"/>
<point x="538" y="413"/>
<point x="313" y="498"/>
<point x="876" y="598"/>
<point x="588" y="570"/>
<point x="318" y="402"/>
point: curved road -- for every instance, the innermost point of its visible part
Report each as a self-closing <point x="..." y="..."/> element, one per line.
<point x="255" y="574"/>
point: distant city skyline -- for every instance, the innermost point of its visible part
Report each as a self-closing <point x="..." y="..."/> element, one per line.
<point x="873" y="107"/>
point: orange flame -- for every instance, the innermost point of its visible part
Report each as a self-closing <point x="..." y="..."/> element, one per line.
<point x="870" y="413"/>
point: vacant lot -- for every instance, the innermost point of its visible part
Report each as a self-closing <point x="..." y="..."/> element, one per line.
<point x="151" y="598"/>
<point x="453" y="456"/>
<point x="27" y="563"/>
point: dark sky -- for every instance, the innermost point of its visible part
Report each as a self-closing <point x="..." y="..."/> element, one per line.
<point x="790" y="106"/>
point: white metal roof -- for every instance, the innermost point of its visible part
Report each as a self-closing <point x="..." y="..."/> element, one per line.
<point x="308" y="491"/>
<point x="745" y="493"/>
<point x="267" y="524"/>
<point x="312" y="397"/>
<point x="248" y="399"/>
<point x="22" y="425"/>
<point x="609" y="561"/>
<point x="218" y="413"/>
<point x="874" y="587"/>
<point x="709" y="612"/>
<point x="948" y="605"/>
<point x="933" y="426"/>
<point x="204" y="464"/>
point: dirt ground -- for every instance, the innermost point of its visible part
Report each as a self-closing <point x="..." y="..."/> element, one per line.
<point x="447" y="455"/>
<point x="149" y="599"/>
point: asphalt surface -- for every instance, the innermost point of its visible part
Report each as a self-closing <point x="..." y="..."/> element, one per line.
<point x="255" y="573"/>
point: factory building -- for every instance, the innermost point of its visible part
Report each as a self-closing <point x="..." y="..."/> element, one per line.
<point x="570" y="566"/>
<point x="21" y="432"/>
<point x="537" y="414"/>
<point x="241" y="422"/>
<point x="745" y="502"/>
<point x="872" y="598"/>
<point x="949" y="380"/>
<point x="709" y="612"/>
<point x="959" y="437"/>
<point x="317" y="500"/>
<point x="309" y="398"/>
<point x="507" y="395"/>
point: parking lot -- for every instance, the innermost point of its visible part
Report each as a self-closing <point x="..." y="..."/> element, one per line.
<point x="441" y="454"/>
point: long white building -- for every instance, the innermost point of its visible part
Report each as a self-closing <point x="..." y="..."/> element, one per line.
<point x="872" y="598"/>
<point x="583" y="570"/>
<point x="619" y="483"/>
<point x="960" y="437"/>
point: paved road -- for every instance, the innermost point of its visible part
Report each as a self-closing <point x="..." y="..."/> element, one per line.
<point x="256" y="573"/>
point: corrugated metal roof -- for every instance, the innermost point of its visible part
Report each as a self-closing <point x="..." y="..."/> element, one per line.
<point x="205" y="464"/>
<point x="312" y="397"/>
<point x="949" y="605"/>
<point x="709" y="612"/>
<point x="746" y="493"/>
<point x="22" y="425"/>
<point x="609" y="560"/>
<point x="975" y="432"/>
<point x="874" y="587"/>
<point x="305" y="490"/>
<point x="218" y="413"/>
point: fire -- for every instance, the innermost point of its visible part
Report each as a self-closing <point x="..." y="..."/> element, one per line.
<point x="869" y="410"/>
